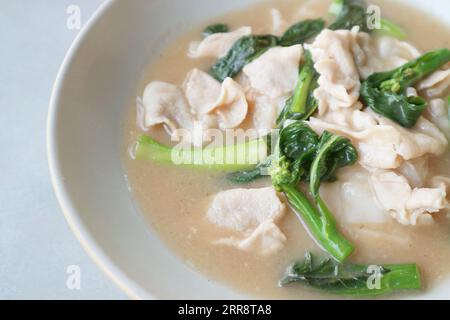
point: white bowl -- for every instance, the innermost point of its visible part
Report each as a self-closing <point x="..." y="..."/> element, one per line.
<point x="96" y="82"/>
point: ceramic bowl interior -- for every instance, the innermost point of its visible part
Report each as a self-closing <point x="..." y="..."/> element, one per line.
<point x="96" y="82"/>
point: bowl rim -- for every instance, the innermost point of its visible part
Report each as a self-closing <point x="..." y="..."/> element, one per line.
<point x="88" y="243"/>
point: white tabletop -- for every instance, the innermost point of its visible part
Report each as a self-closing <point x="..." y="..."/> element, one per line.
<point x="36" y="245"/>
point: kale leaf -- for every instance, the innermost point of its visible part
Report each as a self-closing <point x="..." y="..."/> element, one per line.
<point x="350" y="13"/>
<point x="248" y="48"/>
<point x="301" y="155"/>
<point x="333" y="152"/>
<point x="244" y="51"/>
<point x="385" y="92"/>
<point x="301" y="32"/>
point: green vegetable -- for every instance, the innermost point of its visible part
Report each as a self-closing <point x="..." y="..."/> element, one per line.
<point x="350" y="13"/>
<point x="247" y="176"/>
<point x="215" y="28"/>
<point x="302" y="104"/>
<point x="319" y="222"/>
<point x="300" y="155"/>
<point x="301" y="32"/>
<point x="352" y="279"/>
<point x="334" y="152"/>
<point x="297" y="148"/>
<point x="298" y="144"/>
<point x="228" y="158"/>
<point x="385" y="92"/>
<point x="248" y="48"/>
<point x="311" y="158"/>
<point x="244" y="51"/>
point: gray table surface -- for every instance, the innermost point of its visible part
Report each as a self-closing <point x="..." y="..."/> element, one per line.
<point x="36" y="245"/>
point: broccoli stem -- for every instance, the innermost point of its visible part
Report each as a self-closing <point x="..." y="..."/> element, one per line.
<point x="385" y="92"/>
<point x="305" y="79"/>
<point x="302" y="104"/>
<point x="398" y="277"/>
<point x="228" y="158"/>
<point x="408" y="74"/>
<point x="352" y="279"/>
<point x="320" y="223"/>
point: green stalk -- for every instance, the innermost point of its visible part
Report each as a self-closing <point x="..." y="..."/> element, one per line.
<point x="302" y="104"/>
<point x="352" y="279"/>
<point x="228" y="158"/>
<point x="318" y="163"/>
<point x="385" y="92"/>
<point x="305" y="79"/>
<point x="320" y="223"/>
<point x="355" y="8"/>
<point x="398" y="277"/>
<point x="407" y="75"/>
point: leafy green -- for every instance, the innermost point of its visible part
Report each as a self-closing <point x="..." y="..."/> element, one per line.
<point x="302" y="104"/>
<point x="333" y="152"/>
<point x="305" y="154"/>
<point x="385" y="92"/>
<point x="352" y="279"/>
<point x="397" y="107"/>
<point x="215" y="28"/>
<point x="301" y="32"/>
<point x="250" y="175"/>
<point x="293" y="154"/>
<point x="297" y="148"/>
<point x="244" y="51"/>
<point x="300" y="155"/>
<point x="298" y="142"/>
<point x="248" y="48"/>
<point x="350" y="13"/>
<point x="227" y="158"/>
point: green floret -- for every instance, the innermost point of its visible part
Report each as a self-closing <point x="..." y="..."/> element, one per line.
<point x="280" y="173"/>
